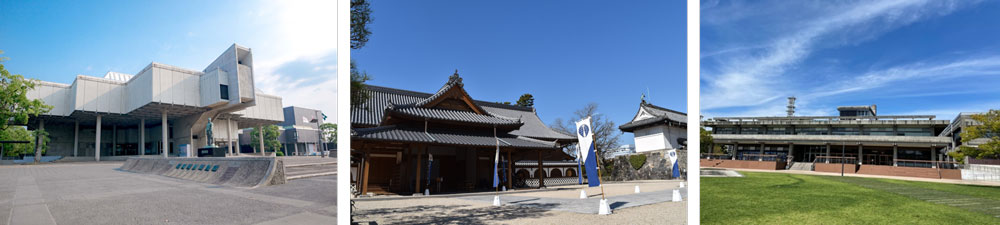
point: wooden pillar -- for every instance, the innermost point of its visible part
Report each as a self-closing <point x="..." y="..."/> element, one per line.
<point x="541" y="172"/>
<point x="420" y="158"/>
<point x="510" y="169"/>
<point x="364" y="177"/>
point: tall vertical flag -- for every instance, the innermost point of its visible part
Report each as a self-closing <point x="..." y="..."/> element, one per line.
<point x="585" y="134"/>
<point x="672" y="156"/>
<point x="496" y="163"/>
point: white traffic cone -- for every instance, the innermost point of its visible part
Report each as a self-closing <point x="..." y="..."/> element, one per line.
<point x="427" y="192"/>
<point x="604" y="208"/>
<point x="505" y="188"/>
<point x="682" y="183"/>
<point x="583" y="194"/>
<point x="496" y="200"/>
<point x="637" y="189"/>
<point x="677" y="196"/>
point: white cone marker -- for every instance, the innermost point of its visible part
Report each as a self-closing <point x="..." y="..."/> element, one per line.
<point x="637" y="189"/>
<point x="496" y="200"/>
<point x="604" y="209"/>
<point x="682" y="183"/>
<point x="583" y="194"/>
<point x="427" y="191"/>
<point x="505" y="188"/>
<point x="677" y="196"/>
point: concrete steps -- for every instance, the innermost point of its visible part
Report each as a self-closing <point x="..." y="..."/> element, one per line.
<point x="803" y="166"/>
<point x="310" y="170"/>
<point x="981" y="172"/>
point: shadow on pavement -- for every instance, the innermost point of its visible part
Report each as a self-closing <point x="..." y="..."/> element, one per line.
<point x="455" y="214"/>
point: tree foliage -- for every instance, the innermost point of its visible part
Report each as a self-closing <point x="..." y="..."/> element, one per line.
<point x="271" y="134"/>
<point x="17" y="133"/>
<point x="15" y="107"/>
<point x="637" y="161"/>
<point x="329" y="132"/>
<point x="361" y="17"/>
<point x="989" y="130"/>
<point x="358" y="93"/>
<point x="606" y="134"/>
<point x="706" y="140"/>
<point x="526" y="100"/>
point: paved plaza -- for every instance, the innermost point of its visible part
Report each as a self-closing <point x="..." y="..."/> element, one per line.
<point x="99" y="193"/>
<point x="555" y="206"/>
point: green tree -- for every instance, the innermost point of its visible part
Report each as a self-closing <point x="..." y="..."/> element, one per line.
<point x="358" y="93"/>
<point x="271" y="134"/>
<point x="706" y="140"/>
<point x="329" y="132"/>
<point x="17" y="133"/>
<point x="15" y="107"/>
<point x="526" y="100"/>
<point x="989" y="130"/>
<point x="361" y="16"/>
<point x="42" y="143"/>
<point x="606" y="134"/>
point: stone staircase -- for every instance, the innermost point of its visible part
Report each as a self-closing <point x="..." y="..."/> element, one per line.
<point x="803" y="166"/>
<point x="299" y="171"/>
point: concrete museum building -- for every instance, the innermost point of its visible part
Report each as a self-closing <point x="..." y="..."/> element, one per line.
<point x="161" y="110"/>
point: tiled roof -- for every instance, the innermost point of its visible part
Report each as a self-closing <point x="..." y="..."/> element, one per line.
<point x="453" y="115"/>
<point x="371" y="112"/>
<point x="660" y="115"/>
<point x="445" y="136"/>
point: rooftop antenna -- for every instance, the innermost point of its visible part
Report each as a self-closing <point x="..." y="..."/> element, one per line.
<point x="791" y="106"/>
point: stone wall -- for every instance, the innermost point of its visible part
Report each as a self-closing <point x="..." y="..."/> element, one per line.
<point x="657" y="167"/>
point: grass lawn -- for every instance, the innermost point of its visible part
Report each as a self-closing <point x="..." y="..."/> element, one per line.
<point x="776" y="198"/>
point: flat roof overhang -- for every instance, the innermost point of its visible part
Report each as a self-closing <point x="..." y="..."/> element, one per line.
<point x="903" y="141"/>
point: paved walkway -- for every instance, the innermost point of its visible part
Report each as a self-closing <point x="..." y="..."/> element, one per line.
<point x="589" y="205"/>
<point x="948" y="181"/>
<point x="97" y="193"/>
<point x="970" y="203"/>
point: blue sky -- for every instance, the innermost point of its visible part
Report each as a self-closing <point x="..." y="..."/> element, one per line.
<point x="907" y="56"/>
<point x="294" y="43"/>
<point x="566" y="54"/>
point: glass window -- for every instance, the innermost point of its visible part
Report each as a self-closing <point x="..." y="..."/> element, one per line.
<point x="811" y="131"/>
<point x="914" y="131"/>
<point x="778" y="130"/>
<point x="224" y="91"/>
<point x="724" y="130"/>
<point x="878" y="131"/>
<point x="845" y="131"/>
<point x="751" y="130"/>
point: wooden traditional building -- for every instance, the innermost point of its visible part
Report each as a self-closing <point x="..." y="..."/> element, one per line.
<point x="396" y="133"/>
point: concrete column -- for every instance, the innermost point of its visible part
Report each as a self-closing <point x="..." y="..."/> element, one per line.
<point x="229" y="136"/>
<point x="76" y="137"/>
<point x="142" y="136"/>
<point x="791" y="152"/>
<point x="736" y="149"/>
<point x="114" y="139"/>
<point x="827" y="152"/>
<point x="860" y="154"/>
<point x="296" y="144"/>
<point x="260" y="131"/>
<point x="761" y="156"/>
<point x="895" y="154"/>
<point x="933" y="157"/>
<point x="97" y="140"/>
<point x="165" y="134"/>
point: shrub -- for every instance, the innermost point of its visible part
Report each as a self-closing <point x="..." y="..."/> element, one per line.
<point x="637" y="161"/>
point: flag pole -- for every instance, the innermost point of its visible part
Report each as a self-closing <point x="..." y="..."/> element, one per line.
<point x="598" y="160"/>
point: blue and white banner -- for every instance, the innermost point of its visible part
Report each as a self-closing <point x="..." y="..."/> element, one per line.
<point x="672" y="156"/>
<point x="496" y="164"/>
<point x="585" y="134"/>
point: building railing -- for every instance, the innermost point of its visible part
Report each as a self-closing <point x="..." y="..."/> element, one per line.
<point x="715" y="156"/>
<point x="927" y="164"/>
<point x="761" y="157"/>
<point x="983" y="161"/>
<point x="836" y="159"/>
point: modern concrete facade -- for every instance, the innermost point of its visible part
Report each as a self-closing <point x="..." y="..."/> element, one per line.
<point x="875" y="144"/>
<point x="300" y="134"/>
<point x="155" y="111"/>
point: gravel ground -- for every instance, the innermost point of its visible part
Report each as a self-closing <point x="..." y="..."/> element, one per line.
<point x="549" y="207"/>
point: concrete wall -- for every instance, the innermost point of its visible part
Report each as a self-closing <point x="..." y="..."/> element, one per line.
<point x="57" y="95"/>
<point x="658" y="138"/>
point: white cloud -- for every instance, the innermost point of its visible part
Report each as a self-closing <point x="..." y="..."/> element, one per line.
<point x="292" y="32"/>
<point x="755" y="77"/>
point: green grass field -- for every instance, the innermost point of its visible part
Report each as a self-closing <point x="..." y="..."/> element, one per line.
<point x="776" y="198"/>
